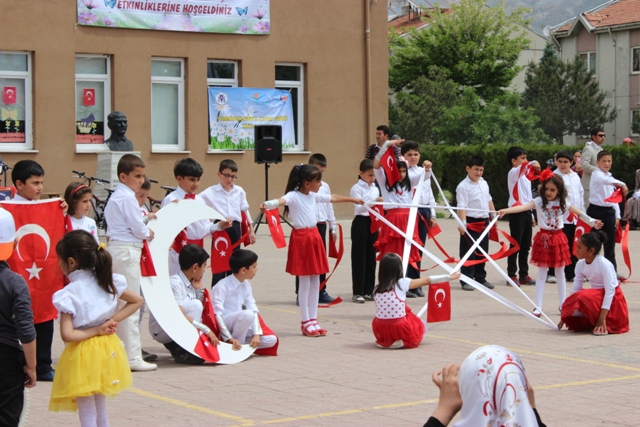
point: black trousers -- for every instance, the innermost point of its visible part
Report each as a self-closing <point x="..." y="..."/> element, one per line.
<point x="234" y="232"/>
<point x="363" y="256"/>
<point x="478" y="271"/>
<point x="12" y="378"/>
<point x="322" y="229"/>
<point x="423" y="221"/>
<point x="521" y="229"/>
<point x="608" y="217"/>
<point x="44" y="333"/>
<point x="569" y="230"/>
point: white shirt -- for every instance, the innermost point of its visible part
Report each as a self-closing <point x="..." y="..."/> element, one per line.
<point x="524" y="185"/>
<point x="196" y="230"/>
<point x="229" y="204"/>
<point x="426" y="197"/>
<point x="474" y="195"/>
<point x="601" y="187"/>
<point x="404" y="197"/>
<point x="551" y="216"/>
<point x="391" y="304"/>
<point x="182" y="289"/>
<point x="324" y="211"/>
<point x="302" y="208"/>
<point x="229" y="295"/>
<point x="366" y="192"/>
<point x="415" y="173"/>
<point x="601" y="274"/>
<point x="19" y="198"/>
<point x="86" y="301"/>
<point x="575" y="192"/>
<point x="85" y="223"/>
<point x="123" y="216"/>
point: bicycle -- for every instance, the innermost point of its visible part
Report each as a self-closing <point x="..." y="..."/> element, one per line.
<point x="152" y="204"/>
<point x="97" y="203"/>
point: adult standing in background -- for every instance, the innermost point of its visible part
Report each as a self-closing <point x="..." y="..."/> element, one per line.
<point x="590" y="160"/>
<point x="382" y="136"/>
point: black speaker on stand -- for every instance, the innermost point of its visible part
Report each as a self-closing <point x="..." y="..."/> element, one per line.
<point x="267" y="150"/>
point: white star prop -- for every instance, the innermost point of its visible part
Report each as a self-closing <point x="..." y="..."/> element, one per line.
<point x="34" y="271"/>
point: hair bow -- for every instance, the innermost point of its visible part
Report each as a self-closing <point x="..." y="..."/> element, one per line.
<point x="545" y="175"/>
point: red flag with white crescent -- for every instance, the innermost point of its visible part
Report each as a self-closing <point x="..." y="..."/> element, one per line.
<point x="221" y="249"/>
<point x="39" y="227"/>
<point x="439" y="303"/>
<point x="616" y="196"/>
<point x="581" y="228"/>
<point x="388" y="163"/>
<point x="89" y="97"/>
<point x="9" y="95"/>
<point x="375" y="221"/>
<point x="147" y="268"/>
<point x="277" y="234"/>
<point x="245" y="229"/>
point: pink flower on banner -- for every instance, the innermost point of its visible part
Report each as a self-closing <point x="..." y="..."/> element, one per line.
<point x="109" y="21"/>
<point x="259" y="13"/>
<point x="262" y="27"/>
<point x="177" y="23"/>
<point x="87" y="18"/>
<point x="242" y="29"/>
<point x="91" y="4"/>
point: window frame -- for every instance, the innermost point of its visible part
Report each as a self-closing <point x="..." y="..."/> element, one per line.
<point x="587" y="61"/>
<point x="27" y="145"/>
<point x="180" y="82"/>
<point x="283" y="84"/>
<point x="633" y="113"/>
<point x="216" y="82"/>
<point x="635" y="51"/>
<point x="96" y="148"/>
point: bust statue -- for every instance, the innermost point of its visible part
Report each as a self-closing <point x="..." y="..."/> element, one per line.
<point x="117" y="122"/>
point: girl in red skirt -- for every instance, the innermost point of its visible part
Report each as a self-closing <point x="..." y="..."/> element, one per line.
<point x="550" y="247"/>
<point x="395" y="326"/>
<point x="601" y="309"/>
<point x="400" y="192"/>
<point x="307" y="257"/>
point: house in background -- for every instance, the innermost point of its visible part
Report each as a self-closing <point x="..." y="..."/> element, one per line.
<point x="608" y="39"/>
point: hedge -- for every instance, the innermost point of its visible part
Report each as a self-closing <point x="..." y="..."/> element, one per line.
<point x="449" y="164"/>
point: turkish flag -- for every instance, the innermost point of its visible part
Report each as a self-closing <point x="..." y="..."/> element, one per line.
<point x="205" y="349"/>
<point x="208" y="317"/>
<point x="39" y="227"/>
<point x="277" y="234"/>
<point x="616" y="196"/>
<point x="581" y="228"/>
<point x="147" y="268"/>
<point x="89" y="97"/>
<point x="245" y="227"/>
<point x="376" y="223"/>
<point x="433" y="231"/>
<point x="221" y="249"/>
<point x="388" y="163"/>
<point x="439" y="303"/>
<point x="9" y="95"/>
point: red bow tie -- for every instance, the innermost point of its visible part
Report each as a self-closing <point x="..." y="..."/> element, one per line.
<point x="190" y="196"/>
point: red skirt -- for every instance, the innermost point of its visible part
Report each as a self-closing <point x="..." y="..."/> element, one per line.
<point x="410" y="329"/>
<point x="550" y="249"/>
<point x="307" y="255"/>
<point x="588" y="302"/>
<point x="390" y="241"/>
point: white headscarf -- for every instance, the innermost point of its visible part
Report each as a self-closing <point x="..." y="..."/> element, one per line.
<point x="493" y="387"/>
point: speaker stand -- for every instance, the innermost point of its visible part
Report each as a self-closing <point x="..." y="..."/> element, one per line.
<point x="258" y="220"/>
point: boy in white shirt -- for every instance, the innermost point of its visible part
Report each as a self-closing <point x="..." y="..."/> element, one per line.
<point x="238" y="325"/>
<point x="125" y="232"/>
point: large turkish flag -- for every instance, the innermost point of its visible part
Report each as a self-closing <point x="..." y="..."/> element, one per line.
<point x="39" y="227"/>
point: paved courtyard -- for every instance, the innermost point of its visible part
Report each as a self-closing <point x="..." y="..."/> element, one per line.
<point x="343" y="379"/>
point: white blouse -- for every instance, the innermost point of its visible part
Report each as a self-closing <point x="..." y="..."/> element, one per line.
<point x="302" y="207"/>
<point x="551" y="216"/>
<point x="85" y="223"/>
<point x="601" y="274"/>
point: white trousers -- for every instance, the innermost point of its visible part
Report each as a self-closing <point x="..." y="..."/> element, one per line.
<point x="239" y="324"/>
<point x="192" y="308"/>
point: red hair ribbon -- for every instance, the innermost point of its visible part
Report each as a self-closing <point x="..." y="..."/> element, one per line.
<point x="546" y="175"/>
<point x="78" y="188"/>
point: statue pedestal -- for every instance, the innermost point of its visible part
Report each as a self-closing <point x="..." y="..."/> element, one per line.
<point x="107" y="169"/>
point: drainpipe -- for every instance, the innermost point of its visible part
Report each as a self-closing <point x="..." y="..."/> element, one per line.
<point x="615" y="62"/>
<point x="367" y="60"/>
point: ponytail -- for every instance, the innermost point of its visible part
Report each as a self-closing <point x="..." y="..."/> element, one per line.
<point x="594" y="240"/>
<point x="298" y="176"/>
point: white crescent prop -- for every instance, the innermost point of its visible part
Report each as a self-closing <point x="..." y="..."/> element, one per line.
<point x="220" y="239"/>
<point x="32" y="229"/>
<point x="440" y="291"/>
<point x="157" y="290"/>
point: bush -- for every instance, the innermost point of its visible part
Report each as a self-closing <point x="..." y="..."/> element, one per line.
<point x="449" y="164"/>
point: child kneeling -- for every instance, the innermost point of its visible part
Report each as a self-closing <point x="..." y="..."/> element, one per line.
<point x="395" y="326"/>
<point x="235" y="309"/>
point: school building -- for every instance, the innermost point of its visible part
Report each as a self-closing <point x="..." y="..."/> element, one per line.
<point x="64" y="67"/>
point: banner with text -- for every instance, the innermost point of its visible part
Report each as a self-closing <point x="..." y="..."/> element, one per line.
<point x="204" y="16"/>
<point x="233" y="112"/>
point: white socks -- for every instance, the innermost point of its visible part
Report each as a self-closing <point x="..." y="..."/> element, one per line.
<point x="561" y="283"/>
<point x="93" y="410"/>
<point x="308" y="296"/>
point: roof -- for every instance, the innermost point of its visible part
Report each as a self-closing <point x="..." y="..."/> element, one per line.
<point x="403" y="24"/>
<point x="615" y="13"/>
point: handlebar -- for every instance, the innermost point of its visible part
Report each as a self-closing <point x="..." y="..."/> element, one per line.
<point x="153" y="181"/>
<point x="166" y="187"/>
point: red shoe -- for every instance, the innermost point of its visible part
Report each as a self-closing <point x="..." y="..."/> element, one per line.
<point x="319" y="330"/>
<point x="527" y="281"/>
<point x="515" y="280"/>
<point x="308" y="329"/>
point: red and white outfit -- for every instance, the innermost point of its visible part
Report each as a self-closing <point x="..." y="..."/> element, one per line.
<point x="581" y="309"/>
<point x="85" y="223"/>
<point x="394" y="320"/>
<point x="550" y="246"/>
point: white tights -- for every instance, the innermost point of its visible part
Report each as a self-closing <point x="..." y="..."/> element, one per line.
<point x="540" y="282"/>
<point x="308" y="295"/>
<point x="93" y="410"/>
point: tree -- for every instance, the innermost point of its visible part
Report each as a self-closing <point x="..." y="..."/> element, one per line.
<point x="476" y="45"/>
<point x="565" y="96"/>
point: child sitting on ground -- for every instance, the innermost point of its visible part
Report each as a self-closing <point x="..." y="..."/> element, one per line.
<point x="238" y="325"/>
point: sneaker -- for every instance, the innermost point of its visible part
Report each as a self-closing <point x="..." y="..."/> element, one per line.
<point x="183" y="357"/>
<point x="467" y="287"/>
<point x="515" y="280"/>
<point x="148" y="357"/>
<point x="46" y="377"/>
<point x="411" y="294"/>
<point x="527" y="281"/>
<point x="487" y="284"/>
<point x="397" y="344"/>
<point x="536" y="312"/>
<point x="325" y="298"/>
<point x="358" y="299"/>
<point x="551" y="279"/>
<point x="419" y="292"/>
<point x="139" y="365"/>
<point x="368" y="297"/>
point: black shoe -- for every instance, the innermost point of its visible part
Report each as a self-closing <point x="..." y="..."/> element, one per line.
<point x="411" y="294"/>
<point x="467" y="287"/>
<point x="486" y="284"/>
<point x="325" y="298"/>
<point x="297" y="303"/>
<point x="46" y="377"/>
<point x="419" y="292"/>
<point x="148" y="357"/>
<point x="182" y="356"/>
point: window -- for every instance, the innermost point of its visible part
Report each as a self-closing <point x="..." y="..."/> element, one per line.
<point x="167" y="104"/>
<point x="635" y="122"/>
<point x="589" y="59"/>
<point x="635" y="62"/>
<point x="15" y="104"/>
<point x="290" y="77"/>
<point x="93" y="102"/>
<point x="222" y="73"/>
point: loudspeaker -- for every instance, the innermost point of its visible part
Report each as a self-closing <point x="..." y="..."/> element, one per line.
<point x="268" y="144"/>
